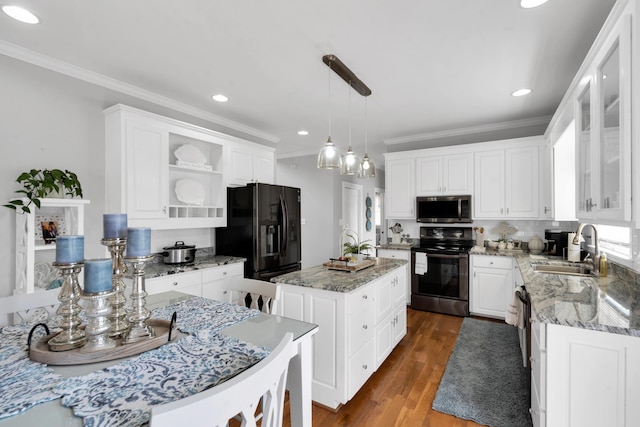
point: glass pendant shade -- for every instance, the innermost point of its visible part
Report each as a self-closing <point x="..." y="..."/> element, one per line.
<point x="329" y="156"/>
<point x="350" y="163"/>
<point x="367" y="168"/>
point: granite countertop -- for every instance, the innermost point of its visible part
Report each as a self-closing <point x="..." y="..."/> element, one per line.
<point x="320" y="277"/>
<point x="157" y="268"/>
<point x="397" y="246"/>
<point x="609" y="304"/>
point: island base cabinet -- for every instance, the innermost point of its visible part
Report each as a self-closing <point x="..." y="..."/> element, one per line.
<point x="593" y="378"/>
<point x="356" y="332"/>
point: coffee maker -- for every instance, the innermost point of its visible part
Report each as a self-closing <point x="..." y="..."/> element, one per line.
<point x="557" y="241"/>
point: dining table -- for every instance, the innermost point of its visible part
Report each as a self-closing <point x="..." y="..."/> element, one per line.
<point x="261" y="330"/>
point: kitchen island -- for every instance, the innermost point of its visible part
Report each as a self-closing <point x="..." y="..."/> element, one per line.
<point x="361" y="318"/>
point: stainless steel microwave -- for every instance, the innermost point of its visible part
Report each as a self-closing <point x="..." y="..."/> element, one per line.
<point x="443" y="209"/>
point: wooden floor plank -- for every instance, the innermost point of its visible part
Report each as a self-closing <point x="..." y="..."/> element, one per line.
<point x="402" y="391"/>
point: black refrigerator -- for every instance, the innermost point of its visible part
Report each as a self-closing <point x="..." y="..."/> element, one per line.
<point x="263" y="226"/>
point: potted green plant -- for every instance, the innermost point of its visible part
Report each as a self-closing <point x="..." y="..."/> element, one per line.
<point x="40" y="183"/>
<point x="356" y="247"/>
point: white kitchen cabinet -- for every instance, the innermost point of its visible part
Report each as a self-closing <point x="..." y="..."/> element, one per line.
<point x="206" y="282"/>
<point x="444" y="174"/>
<point x="213" y="279"/>
<point x="507" y="181"/>
<point x="400" y="183"/>
<point x="356" y="333"/>
<point x="163" y="173"/>
<point x="188" y="283"/>
<point x="250" y="163"/>
<point x="492" y="285"/>
<point x="34" y="258"/>
<point x="399" y="254"/>
<point x="390" y="313"/>
<point x="584" y="378"/>
<point x="546" y="182"/>
<point x="603" y="130"/>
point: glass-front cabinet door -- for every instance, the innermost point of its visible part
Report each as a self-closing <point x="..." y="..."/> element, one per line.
<point x="603" y="132"/>
<point x="583" y="145"/>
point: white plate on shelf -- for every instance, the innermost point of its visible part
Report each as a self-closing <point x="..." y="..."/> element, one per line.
<point x="190" y="192"/>
<point x="190" y="154"/>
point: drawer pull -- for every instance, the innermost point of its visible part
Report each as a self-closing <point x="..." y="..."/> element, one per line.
<point x="365" y="367"/>
<point x="365" y="327"/>
<point x="224" y="273"/>
<point x="365" y="297"/>
<point x="175" y="283"/>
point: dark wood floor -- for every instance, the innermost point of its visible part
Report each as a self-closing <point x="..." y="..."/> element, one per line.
<point x="401" y="392"/>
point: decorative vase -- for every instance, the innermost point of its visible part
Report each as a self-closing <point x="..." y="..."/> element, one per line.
<point x="480" y="239"/>
<point x="536" y="244"/>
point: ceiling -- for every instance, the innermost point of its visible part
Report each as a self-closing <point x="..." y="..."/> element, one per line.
<point x="441" y="71"/>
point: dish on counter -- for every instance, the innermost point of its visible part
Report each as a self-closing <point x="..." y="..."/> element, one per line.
<point x="190" y="192"/>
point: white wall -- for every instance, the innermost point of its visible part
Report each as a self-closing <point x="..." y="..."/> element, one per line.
<point x="321" y="204"/>
<point x="48" y="120"/>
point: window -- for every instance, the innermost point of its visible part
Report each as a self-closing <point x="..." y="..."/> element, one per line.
<point x="615" y="240"/>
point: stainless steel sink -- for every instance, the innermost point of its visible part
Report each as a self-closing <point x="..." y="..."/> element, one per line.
<point x="571" y="270"/>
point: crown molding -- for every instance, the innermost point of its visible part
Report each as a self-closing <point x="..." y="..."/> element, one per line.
<point x="544" y="120"/>
<point x="293" y="154"/>
<point x="62" y="67"/>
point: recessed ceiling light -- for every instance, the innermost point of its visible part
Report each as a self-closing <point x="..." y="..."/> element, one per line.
<point x="521" y="92"/>
<point x="20" y="14"/>
<point x="528" y="4"/>
<point x="220" y="98"/>
<point x="303" y="132"/>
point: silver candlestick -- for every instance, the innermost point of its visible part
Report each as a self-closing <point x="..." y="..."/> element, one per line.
<point x="98" y="312"/>
<point x="118" y="315"/>
<point x="71" y="336"/>
<point x="138" y="314"/>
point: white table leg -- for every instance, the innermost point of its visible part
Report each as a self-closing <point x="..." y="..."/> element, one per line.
<point x="299" y="384"/>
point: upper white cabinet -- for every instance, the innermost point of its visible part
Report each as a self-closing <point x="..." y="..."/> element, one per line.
<point x="400" y="184"/>
<point x="507" y="181"/>
<point x="163" y="173"/>
<point x="444" y="174"/>
<point x="603" y="130"/>
<point x="250" y="163"/>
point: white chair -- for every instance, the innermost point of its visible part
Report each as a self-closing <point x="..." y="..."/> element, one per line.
<point x="22" y="308"/>
<point x="240" y="395"/>
<point x="253" y="293"/>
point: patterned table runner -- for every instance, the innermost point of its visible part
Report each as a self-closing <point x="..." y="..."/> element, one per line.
<point x="122" y="395"/>
<point x="23" y="383"/>
<point x="210" y="359"/>
<point x="201" y="313"/>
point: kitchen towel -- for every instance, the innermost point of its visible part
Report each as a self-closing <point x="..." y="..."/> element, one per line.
<point x="515" y="311"/>
<point x="421" y="263"/>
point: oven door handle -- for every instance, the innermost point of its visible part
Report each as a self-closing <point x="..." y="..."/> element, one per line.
<point x="430" y="255"/>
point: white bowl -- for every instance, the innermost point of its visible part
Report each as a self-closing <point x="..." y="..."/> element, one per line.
<point x="492" y="245"/>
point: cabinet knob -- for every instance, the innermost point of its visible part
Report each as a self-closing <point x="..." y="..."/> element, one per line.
<point x="365" y="327"/>
<point x="224" y="273"/>
<point x="491" y="262"/>
<point x="175" y="283"/>
<point x="546" y="209"/>
<point x="365" y="367"/>
<point x="365" y="297"/>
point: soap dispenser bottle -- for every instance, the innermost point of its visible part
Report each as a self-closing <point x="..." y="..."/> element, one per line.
<point x="604" y="265"/>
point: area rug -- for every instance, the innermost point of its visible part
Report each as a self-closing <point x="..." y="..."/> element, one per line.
<point x="484" y="380"/>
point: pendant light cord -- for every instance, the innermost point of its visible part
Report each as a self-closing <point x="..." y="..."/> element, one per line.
<point x="329" y="100"/>
<point x="366" y="139"/>
<point x="349" y="115"/>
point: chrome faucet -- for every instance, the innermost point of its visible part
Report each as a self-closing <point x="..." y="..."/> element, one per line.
<point x="596" y="256"/>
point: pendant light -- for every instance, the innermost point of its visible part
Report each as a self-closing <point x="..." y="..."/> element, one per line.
<point x="350" y="162"/>
<point x="329" y="156"/>
<point x="367" y="168"/>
